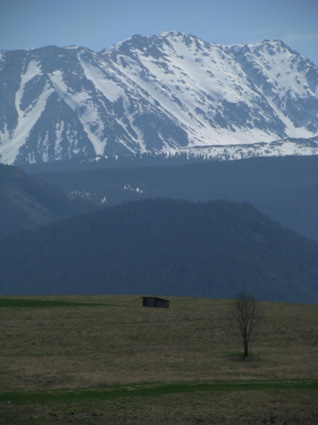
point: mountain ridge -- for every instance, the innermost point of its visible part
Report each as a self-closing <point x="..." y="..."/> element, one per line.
<point x="153" y="94"/>
<point x="285" y="188"/>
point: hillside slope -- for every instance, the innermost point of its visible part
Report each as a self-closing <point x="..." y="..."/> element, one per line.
<point x="284" y="188"/>
<point x="213" y="249"/>
<point x="27" y="202"/>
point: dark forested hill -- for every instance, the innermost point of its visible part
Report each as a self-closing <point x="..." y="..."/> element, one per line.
<point x="212" y="249"/>
<point x="26" y="201"/>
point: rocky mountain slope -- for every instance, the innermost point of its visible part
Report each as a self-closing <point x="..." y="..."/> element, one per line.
<point x="158" y="94"/>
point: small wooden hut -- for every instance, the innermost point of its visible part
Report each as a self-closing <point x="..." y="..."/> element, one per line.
<point x="155" y="302"/>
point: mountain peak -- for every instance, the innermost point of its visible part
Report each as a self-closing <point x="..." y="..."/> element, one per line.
<point x="177" y="34"/>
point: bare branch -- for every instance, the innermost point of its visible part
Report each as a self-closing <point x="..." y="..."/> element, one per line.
<point x="245" y="314"/>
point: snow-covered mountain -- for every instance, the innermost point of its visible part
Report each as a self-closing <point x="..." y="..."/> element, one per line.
<point x="162" y="94"/>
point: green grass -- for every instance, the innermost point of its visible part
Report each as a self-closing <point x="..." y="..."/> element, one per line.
<point x="40" y="303"/>
<point x="155" y="389"/>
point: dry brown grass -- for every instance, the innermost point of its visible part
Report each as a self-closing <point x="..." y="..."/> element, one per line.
<point x="122" y="342"/>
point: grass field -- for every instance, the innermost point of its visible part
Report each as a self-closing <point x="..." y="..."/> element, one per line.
<point x="108" y="360"/>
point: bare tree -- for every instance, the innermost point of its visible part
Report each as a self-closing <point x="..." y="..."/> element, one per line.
<point x="245" y="313"/>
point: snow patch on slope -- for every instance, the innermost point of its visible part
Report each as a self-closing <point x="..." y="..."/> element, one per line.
<point x="106" y="86"/>
<point x="288" y="147"/>
<point x="26" y="118"/>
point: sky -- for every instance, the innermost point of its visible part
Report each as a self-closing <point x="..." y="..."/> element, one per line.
<point x="97" y="24"/>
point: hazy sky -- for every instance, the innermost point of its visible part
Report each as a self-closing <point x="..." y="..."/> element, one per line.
<point x="97" y="24"/>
